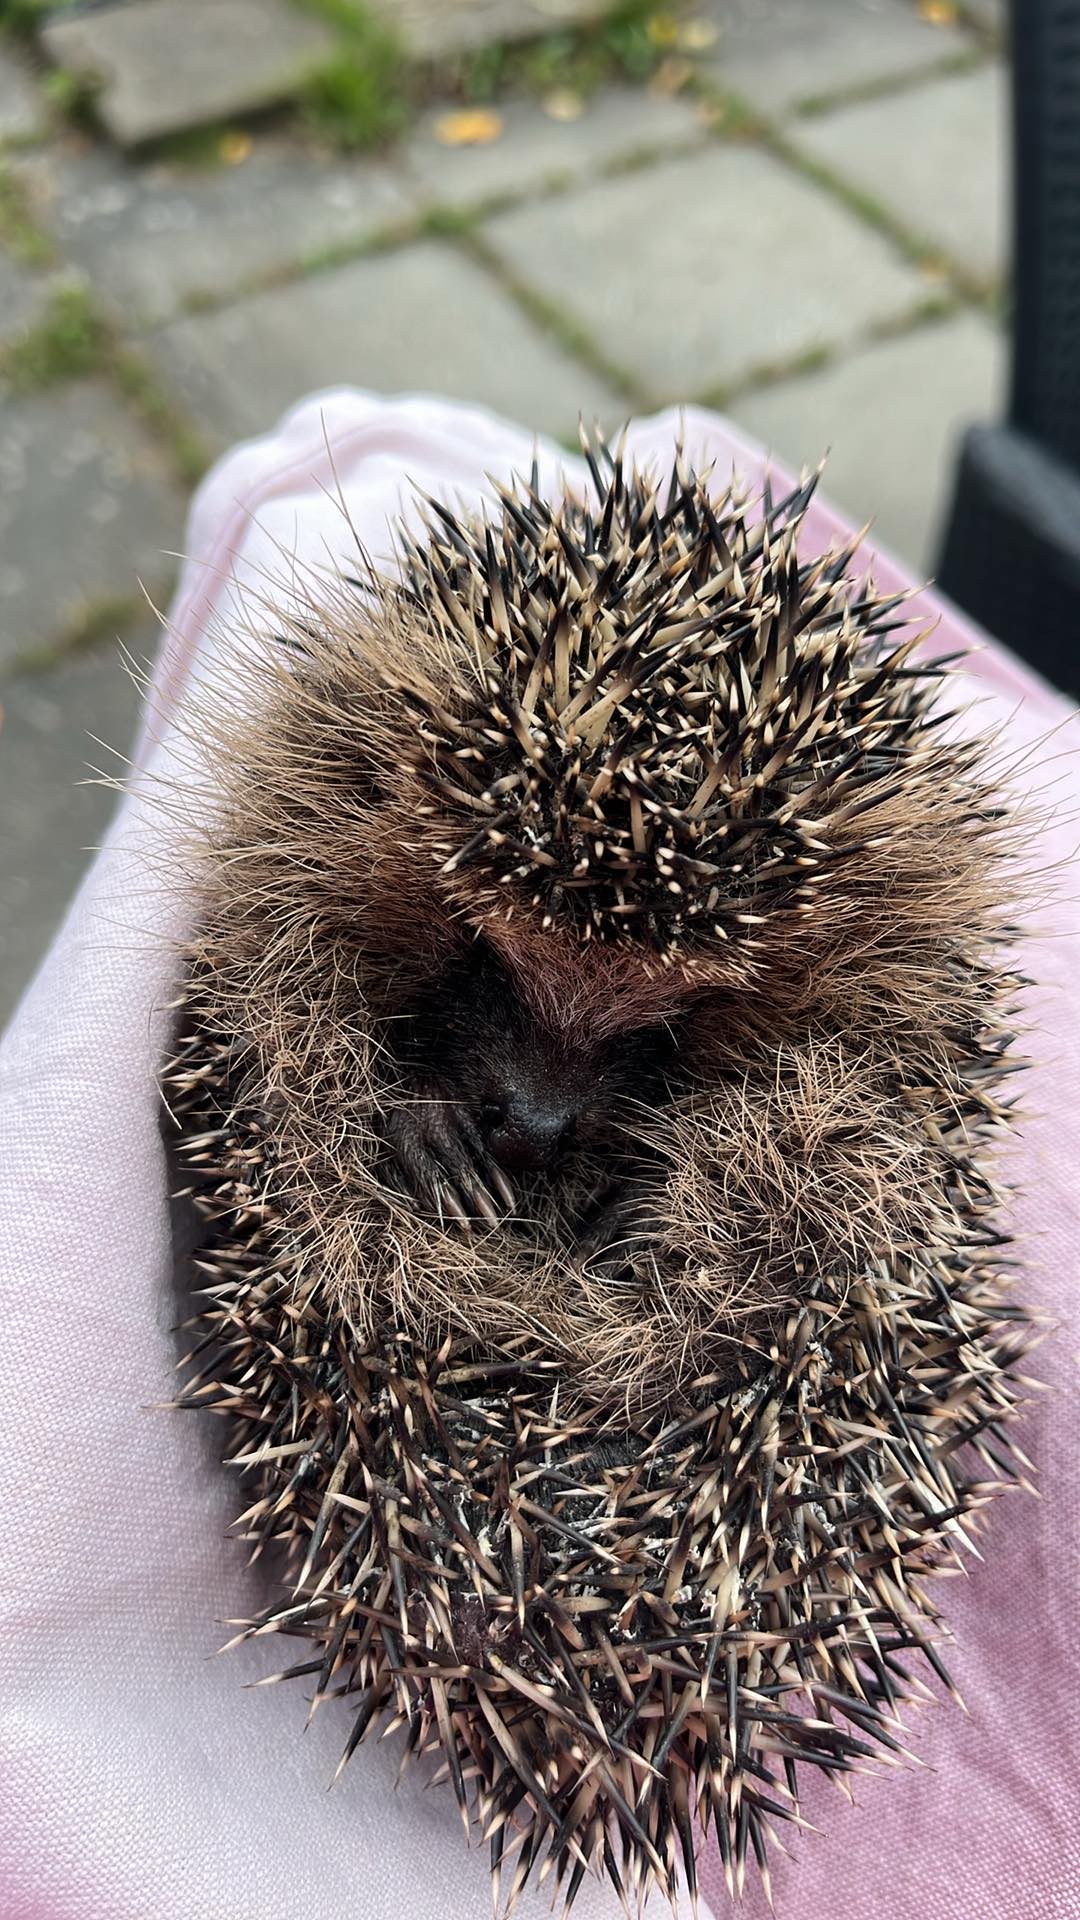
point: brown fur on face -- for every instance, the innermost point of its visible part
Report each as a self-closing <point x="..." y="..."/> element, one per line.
<point x="727" y="945"/>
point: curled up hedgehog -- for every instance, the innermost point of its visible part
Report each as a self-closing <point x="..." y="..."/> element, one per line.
<point x="587" y="1064"/>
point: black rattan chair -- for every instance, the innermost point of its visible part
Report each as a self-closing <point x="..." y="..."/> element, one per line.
<point x="1011" y="552"/>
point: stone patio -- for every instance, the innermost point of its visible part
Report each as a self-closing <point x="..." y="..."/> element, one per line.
<point x="223" y="57"/>
<point x="809" y="232"/>
<point x="168" y="64"/>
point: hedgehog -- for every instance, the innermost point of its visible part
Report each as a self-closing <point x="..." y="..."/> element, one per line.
<point x="587" y="1073"/>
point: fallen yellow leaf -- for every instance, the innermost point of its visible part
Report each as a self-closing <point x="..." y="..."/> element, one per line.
<point x="235" y="148"/>
<point x="472" y="127"/>
<point x="938" y="13"/>
<point x="563" y="104"/>
<point x="697" y="36"/>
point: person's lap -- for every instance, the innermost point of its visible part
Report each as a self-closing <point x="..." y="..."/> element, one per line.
<point x="137" y="1778"/>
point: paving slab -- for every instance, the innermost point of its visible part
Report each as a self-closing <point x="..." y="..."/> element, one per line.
<point x="87" y="509"/>
<point x="782" y="54"/>
<point x="748" y="264"/>
<point x="156" y="235"/>
<point x="169" y="64"/>
<point x="424" y="317"/>
<point x="935" y="157"/>
<point x="22" y="109"/>
<point x="49" y="816"/>
<point x="439" y="29"/>
<point x="535" y="151"/>
<point x="890" y="419"/>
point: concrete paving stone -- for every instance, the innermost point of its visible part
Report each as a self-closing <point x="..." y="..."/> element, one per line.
<point x="697" y="271"/>
<point x="422" y="318"/>
<point x="168" y="64"/>
<point x="156" y="235"/>
<point x="778" y="54"/>
<point x="439" y="29"/>
<point x="890" y="419"/>
<point x="49" y="819"/>
<point x="22" y="109"/>
<point x="536" y="151"/>
<point x="87" y="509"/>
<point x="934" y="157"/>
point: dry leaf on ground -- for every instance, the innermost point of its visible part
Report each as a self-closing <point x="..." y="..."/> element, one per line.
<point x="472" y="127"/>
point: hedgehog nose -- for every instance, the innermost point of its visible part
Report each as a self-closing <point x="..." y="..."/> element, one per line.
<point x="526" y="1132"/>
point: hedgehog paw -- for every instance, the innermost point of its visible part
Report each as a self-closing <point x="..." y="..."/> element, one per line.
<point x="441" y="1161"/>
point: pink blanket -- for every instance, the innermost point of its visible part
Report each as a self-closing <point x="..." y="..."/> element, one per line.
<point x="137" y="1780"/>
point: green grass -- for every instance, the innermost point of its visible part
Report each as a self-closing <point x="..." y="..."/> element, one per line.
<point x="67" y="93"/>
<point x="23" y="16"/>
<point x="442" y="222"/>
<point x="580" y="60"/>
<point x="69" y="341"/>
<point x="97" y="623"/>
<point x="71" y="95"/>
<point x="139" y="385"/>
<point x="865" y="92"/>
<point x="18" y="232"/>
<point x="72" y="341"/>
<point x="200" y="149"/>
<point x="370" y="90"/>
<point x="363" y="94"/>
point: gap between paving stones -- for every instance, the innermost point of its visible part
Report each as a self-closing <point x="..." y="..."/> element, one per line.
<point x="105" y="622"/>
<point x="917" y="248"/>
<point x="904" y="159"/>
<point x="91" y="671"/>
<point x="457" y="221"/>
<point x="814" y="106"/>
<point x="444" y="220"/>
<point x="506" y="31"/>
<point x="447" y="218"/>
<point x="88" y="508"/>
<point x="116" y="360"/>
<point x="359" y="69"/>
<point x="139" y="385"/>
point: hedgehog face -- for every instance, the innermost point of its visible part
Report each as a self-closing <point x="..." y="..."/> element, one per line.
<point x="599" y="918"/>
<point x="493" y="1086"/>
<point x="588" y="1059"/>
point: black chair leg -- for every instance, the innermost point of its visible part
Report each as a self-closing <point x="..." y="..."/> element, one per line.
<point x="1011" y="553"/>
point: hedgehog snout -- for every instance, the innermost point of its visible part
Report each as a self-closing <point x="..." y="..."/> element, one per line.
<point x="526" y="1128"/>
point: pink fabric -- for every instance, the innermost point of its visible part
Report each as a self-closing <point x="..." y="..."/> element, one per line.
<point x="137" y="1781"/>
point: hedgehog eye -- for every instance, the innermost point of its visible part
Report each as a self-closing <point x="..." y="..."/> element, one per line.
<point x="644" y="1050"/>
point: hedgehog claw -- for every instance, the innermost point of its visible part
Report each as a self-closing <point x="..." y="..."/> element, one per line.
<point x="483" y="1205"/>
<point x="452" y="1203"/>
<point x="503" y="1188"/>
